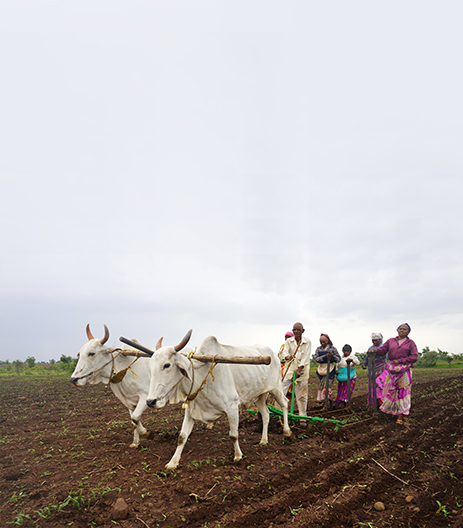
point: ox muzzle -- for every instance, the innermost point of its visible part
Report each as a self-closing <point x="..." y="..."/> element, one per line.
<point x="151" y="403"/>
<point x="74" y="381"/>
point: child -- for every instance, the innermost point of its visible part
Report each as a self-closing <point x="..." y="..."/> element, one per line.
<point x="341" y="370"/>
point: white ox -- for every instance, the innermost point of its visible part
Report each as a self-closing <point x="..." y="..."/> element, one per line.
<point x="174" y="377"/>
<point x="98" y="364"/>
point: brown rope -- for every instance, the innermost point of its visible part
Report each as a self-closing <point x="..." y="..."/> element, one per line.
<point x="191" y="397"/>
<point x="291" y="360"/>
<point x="119" y="376"/>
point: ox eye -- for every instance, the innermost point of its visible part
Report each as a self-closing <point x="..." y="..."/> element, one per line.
<point x="167" y="365"/>
<point x="91" y="353"/>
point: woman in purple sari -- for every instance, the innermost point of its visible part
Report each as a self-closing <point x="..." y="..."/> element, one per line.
<point x="397" y="391"/>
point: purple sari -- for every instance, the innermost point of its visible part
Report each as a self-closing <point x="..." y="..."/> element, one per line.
<point x="397" y="389"/>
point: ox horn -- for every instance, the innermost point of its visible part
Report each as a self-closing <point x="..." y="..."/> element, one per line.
<point x="106" y="335"/>
<point x="89" y="334"/>
<point x="159" y="343"/>
<point x="184" y="341"/>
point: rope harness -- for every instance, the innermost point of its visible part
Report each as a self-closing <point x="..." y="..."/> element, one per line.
<point x="115" y="377"/>
<point x="291" y="359"/>
<point x="191" y="397"/>
<point x="119" y="376"/>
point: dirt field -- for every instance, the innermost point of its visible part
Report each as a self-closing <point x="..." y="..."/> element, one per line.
<point x="65" y="459"/>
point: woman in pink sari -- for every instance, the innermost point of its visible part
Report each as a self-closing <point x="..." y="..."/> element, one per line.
<point x="397" y="391"/>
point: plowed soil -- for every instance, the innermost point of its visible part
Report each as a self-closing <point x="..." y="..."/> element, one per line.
<point x="65" y="459"/>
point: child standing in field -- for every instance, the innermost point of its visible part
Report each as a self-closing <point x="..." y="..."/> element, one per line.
<point x="341" y="374"/>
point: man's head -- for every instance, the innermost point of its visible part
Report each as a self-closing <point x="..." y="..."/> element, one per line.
<point x="298" y="330"/>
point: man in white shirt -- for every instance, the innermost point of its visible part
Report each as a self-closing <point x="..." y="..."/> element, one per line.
<point x="296" y="358"/>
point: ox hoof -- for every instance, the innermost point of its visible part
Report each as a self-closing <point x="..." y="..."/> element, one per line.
<point x="237" y="459"/>
<point x="133" y="445"/>
<point x="263" y="442"/>
<point x="287" y="434"/>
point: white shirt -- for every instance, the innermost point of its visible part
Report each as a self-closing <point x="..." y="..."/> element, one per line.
<point x="302" y="358"/>
<point x="343" y="362"/>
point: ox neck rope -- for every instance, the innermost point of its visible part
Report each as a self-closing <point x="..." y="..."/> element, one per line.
<point x="119" y="376"/>
<point x="114" y="377"/>
<point x="191" y="397"/>
<point x="293" y="357"/>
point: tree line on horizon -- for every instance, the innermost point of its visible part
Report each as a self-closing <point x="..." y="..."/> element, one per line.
<point x="64" y="364"/>
<point x="426" y="358"/>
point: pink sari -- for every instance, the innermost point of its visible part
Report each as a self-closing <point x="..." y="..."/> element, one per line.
<point x="397" y="389"/>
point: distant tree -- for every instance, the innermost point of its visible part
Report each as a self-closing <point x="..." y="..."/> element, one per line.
<point x="65" y="359"/>
<point x="67" y="363"/>
<point x="30" y="361"/>
<point x="423" y="352"/>
<point x="429" y="358"/>
<point x="361" y="356"/>
<point x="450" y="358"/>
<point x="18" y="366"/>
<point x="442" y="354"/>
<point x="52" y="361"/>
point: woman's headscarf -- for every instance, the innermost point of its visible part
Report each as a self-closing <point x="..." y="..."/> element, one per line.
<point x="327" y="337"/>
<point x="377" y="335"/>
<point x="405" y="324"/>
<point x="347" y="348"/>
<point x="289" y="334"/>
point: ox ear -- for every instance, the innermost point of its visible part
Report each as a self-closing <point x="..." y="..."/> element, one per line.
<point x="184" y="372"/>
<point x="159" y="343"/>
<point x="184" y="341"/>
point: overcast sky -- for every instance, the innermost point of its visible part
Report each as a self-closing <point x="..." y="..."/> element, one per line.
<point x="230" y="167"/>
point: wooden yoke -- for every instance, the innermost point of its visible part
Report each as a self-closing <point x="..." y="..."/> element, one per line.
<point x="242" y="360"/>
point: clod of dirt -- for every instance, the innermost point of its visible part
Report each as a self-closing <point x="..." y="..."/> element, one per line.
<point x="416" y="510"/>
<point x="120" y="510"/>
<point x="410" y="498"/>
<point x="379" y="506"/>
<point x="13" y="475"/>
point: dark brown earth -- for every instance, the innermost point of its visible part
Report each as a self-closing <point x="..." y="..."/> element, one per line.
<point x="65" y="459"/>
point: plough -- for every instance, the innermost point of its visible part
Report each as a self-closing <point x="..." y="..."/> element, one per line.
<point x="274" y="411"/>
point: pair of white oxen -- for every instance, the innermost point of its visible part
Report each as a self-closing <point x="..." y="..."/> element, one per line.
<point x="170" y="376"/>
